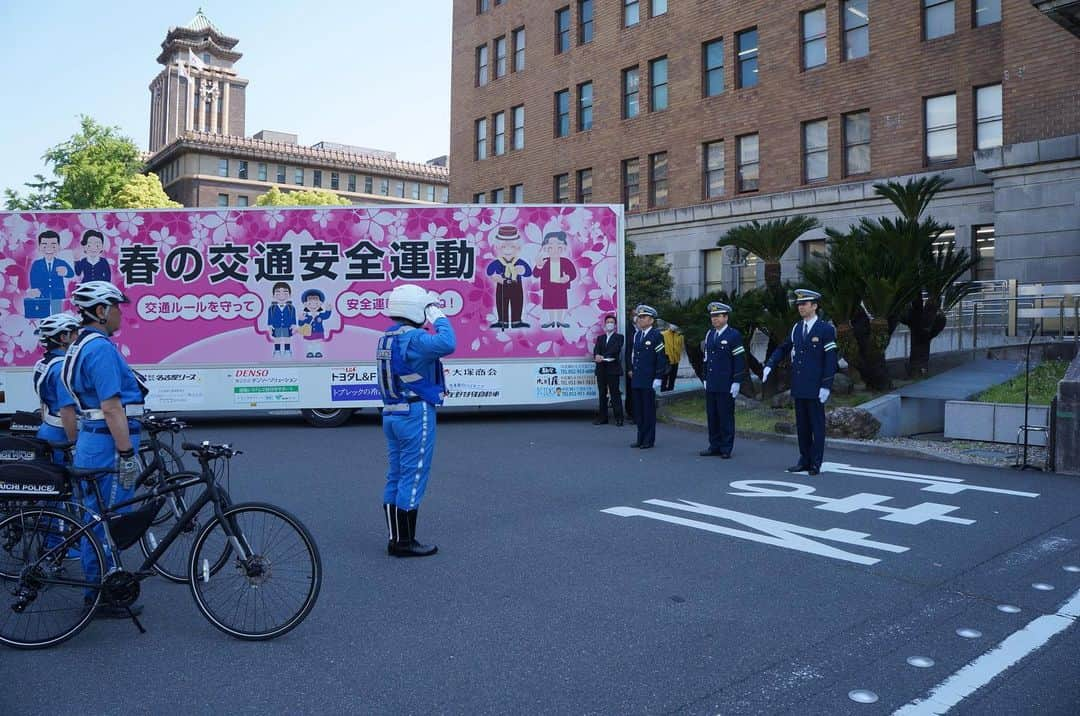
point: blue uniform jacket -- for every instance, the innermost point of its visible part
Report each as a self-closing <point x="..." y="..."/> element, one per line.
<point x="102" y="373"/>
<point x="281" y="316"/>
<point x="648" y="360"/>
<point x="813" y="361"/>
<point x="99" y="271"/>
<point x="52" y="393"/>
<point x="725" y="359"/>
<point x="52" y="285"/>
<point x="425" y="349"/>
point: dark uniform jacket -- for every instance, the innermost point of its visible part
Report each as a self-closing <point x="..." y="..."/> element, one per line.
<point x="609" y="347"/>
<point x="725" y="359"/>
<point x="813" y="359"/>
<point x="649" y="361"/>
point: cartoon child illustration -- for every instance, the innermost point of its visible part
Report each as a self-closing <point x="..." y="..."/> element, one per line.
<point x="506" y="272"/>
<point x="281" y="319"/>
<point x="555" y="272"/>
<point x="311" y="325"/>
<point x="92" y="267"/>
<point x="49" y="277"/>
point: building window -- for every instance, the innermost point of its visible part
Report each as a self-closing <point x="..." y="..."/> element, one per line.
<point x="261" y="169"/>
<point x="713" y="160"/>
<point x="987" y="12"/>
<point x="814" y="52"/>
<point x="584" y="186"/>
<point x="585" y="98"/>
<point x="631" y="12"/>
<point x="481" y="65"/>
<point x="748" y="162"/>
<point x="712" y="64"/>
<point x="351" y="182"/>
<point x="856" y="143"/>
<point x="631" y="185"/>
<point x="630" y="93"/>
<point x="517" y="115"/>
<point x="444" y="194"/>
<point x="562" y="113"/>
<point x="812" y="250"/>
<point x="983" y="249"/>
<point x="223" y="167"/>
<point x="939" y="18"/>
<point x="714" y="270"/>
<point x="384" y="187"/>
<point x="498" y="196"/>
<point x="478" y="198"/>
<point x="242" y="169"/>
<point x="280" y="173"/>
<point x="940" y="118"/>
<point x="815" y="150"/>
<point x="657" y="8"/>
<point x="241" y="201"/>
<point x="399" y="189"/>
<point x="481" y="138"/>
<point x="482" y="6"/>
<point x="747" y="44"/>
<point x="517" y="194"/>
<point x="519" y="49"/>
<point x="585" y="21"/>
<point x="429" y="192"/>
<point x="943" y="243"/>
<point x="658" y="175"/>
<point x="658" y="77"/>
<point x="562" y="30"/>
<point x="856" y="29"/>
<point x="500" y="57"/>
<point x="748" y="270"/>
<point x="316" y="178"/>
<point x="298" y="177"/>
<point x="500" y="133"/>
<point x="335" y="180"/>
<point x="369" y="184"/>
<point x="562" y="189"/>
<point x="988" y="117"/>
<point x="222" y="199"/>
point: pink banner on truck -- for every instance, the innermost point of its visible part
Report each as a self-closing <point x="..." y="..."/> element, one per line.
<point x="311" y="284"/>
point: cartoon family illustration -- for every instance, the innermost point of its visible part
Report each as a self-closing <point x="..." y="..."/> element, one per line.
<point x="554" y="271"/>
<point x="281" y="320"/>
<point x="50" y="276"/>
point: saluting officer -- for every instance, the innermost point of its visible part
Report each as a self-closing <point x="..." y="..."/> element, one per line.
<point x="813" y="364"/>
<point x="725" y="367"/>
<point x="648" y="363"/>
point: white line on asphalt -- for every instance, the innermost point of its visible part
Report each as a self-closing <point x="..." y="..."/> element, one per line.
<point x="1016" y="647"/>
<point x="933" y="483"/>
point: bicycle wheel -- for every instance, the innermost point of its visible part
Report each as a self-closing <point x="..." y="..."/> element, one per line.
<point x="173" y="562"/>
<point x="270" y="592"/>
<point x="43" y="596"/>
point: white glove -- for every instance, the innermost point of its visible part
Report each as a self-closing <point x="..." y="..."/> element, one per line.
<point x="127" y="470"/>
<point x="765" y="374"/>
<point x="735" y="390"/>
<point x="656" y="384"/>
<point x="433" y="313"/>
<point x="823" y="395"/>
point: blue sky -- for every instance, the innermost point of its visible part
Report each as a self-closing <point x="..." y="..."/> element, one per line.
<point x="374" y="74"/>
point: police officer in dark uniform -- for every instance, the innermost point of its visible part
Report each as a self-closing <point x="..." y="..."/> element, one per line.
<point x="648" y="363"/>
<point x="725" y="367"/>
<point x="812" y="344"/>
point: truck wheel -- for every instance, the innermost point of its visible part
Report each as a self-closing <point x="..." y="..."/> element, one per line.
<point x="327" y="417"/>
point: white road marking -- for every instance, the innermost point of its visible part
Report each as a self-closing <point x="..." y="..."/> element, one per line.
<point x="1016" y="647"/>
<point x="933" y="483"/>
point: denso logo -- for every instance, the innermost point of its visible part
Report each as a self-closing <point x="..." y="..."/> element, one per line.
<point x="252" y="373"/>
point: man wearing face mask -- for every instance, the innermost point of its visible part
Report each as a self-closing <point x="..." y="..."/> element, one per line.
<point x="607" y="353"/>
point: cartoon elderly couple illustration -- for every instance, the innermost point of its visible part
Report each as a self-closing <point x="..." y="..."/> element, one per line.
<point x="554" y="271"/>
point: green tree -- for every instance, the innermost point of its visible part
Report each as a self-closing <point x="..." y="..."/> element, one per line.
<point x="769" y="241"/>
<point x="304" y="197"/>
<point x="42" y="196"/>
<point x="143" y="191"/>
<point x="692" y="317"/>
<point x="648" y="279"/>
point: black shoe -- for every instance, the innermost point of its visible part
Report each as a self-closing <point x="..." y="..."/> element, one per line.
<point x="563" y="325"/>
<point x="725" y="456"/>
<point x="547" y="325"/>
<point x="598" y="421"/>
<point x="519" y="324"/>
<point x="812" y="471"/>
<point x="406" y="544"/>
<point x="797" y="468"/>
<point x="648" y="446"/>
<point x="497" y="324"/>
<point x="708" y="453"/>
<point x="619" y="423"/>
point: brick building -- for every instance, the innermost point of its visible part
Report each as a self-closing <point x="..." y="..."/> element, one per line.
<point x="199" y="150"/>
<point x="699" y="116"/>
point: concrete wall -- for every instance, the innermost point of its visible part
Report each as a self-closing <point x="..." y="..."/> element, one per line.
<point x="993" y="422"/>
<point x="1067" y="427"/>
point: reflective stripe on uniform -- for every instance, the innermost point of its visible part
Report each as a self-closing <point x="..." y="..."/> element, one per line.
<point x="738" y="350"/>
<point x="830" y="346"/>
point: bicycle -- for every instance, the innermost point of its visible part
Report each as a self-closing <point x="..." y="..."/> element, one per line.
<point x="239" y="568"/>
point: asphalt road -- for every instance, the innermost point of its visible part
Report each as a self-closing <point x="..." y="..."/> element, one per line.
<point x="559" y="589"/>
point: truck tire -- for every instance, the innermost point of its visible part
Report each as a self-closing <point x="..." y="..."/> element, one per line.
<point x="327" y="417"/>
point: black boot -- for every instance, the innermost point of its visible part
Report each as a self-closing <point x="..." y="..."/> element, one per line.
<point x="391" y="520"/>
<point x="405" y="544"/>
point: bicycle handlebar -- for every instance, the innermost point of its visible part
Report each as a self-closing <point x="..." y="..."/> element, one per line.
<point x="207" y="451"/>
<point x="155" y="424"/>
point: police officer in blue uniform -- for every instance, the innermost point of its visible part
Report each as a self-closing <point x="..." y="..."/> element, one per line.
<point x="410" y="376"/>
<point x="812" y="344"/>
<point x="59" y="422"/>
<point x="648" y="363"/>
<point x="109" y="396"/>
<point x="725" y="367"/>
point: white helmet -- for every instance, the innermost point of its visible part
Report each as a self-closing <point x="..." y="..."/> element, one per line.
<point x="97" y="293"/>
<point x="54" y="325"/>
<point x="409" y="301"/>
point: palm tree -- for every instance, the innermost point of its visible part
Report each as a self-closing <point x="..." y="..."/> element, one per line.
<point x="769" y="241"/>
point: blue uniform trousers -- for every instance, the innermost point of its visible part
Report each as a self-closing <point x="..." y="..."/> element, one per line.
<point x="410" y="444"/>
<point x="645" y="415"/>
<point x="54" y="435"/>
<point x="720" y="412"/>
<point x="98" y="450"/>
<point x="810" y="424"/>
